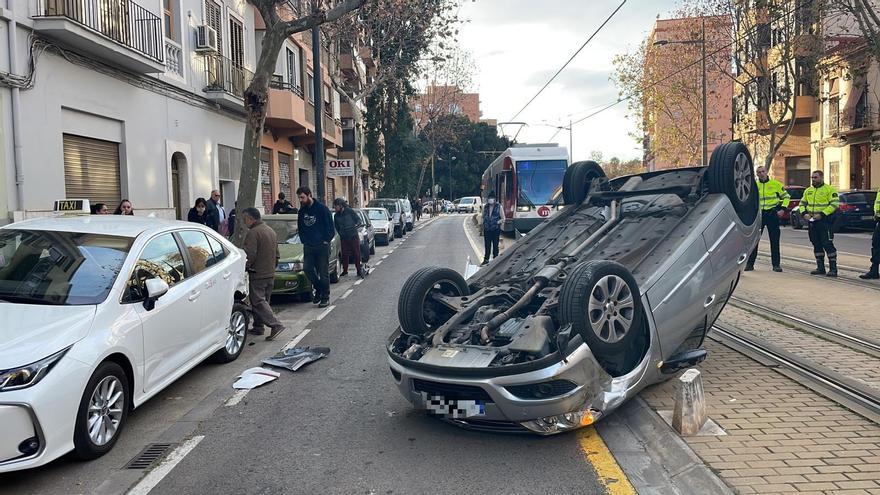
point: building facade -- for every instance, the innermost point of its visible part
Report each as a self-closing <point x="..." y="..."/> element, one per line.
<point x="444" y="100"/>
<point x="672" y="115"/>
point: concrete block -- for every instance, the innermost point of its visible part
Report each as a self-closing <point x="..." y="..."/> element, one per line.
<point x="689" y="413"/>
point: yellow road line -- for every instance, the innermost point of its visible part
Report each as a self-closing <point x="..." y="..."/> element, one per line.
<point x="609" y="472"/>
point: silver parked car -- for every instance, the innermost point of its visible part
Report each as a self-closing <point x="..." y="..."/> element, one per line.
<point x="383" y="226"/>
<point x="614" y="293"/>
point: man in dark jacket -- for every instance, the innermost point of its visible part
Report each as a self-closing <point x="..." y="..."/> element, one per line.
<point x="493" y="216"/>
<point x="348" y="224"/>
<point x="282" y="206"/>
<point x="261" y="248"/>
<point x="214" y="212"/>
<point x="315" y="227"/>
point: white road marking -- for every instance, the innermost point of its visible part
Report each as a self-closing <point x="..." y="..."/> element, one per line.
<point x="155" y="476"/>
<point x="347" y="293"/>
<point x="296" y="340"/>
<point x="236" y="397"/>
<point x="325" y="313"/>
<point x="359" y="282"/>
<point x="378" y="263"/>
<point x="473" y="243"/>
<point x="383" y="257"/>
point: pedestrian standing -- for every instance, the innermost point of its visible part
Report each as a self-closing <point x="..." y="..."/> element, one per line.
<point x="773" y="199"/>
<point x="348" y="225"/>
<point x="231" y="221"/>
<point x="493" y="216"/>
<point x="124" y="208"/>
<point x="282" y="206"/>
<point x="261" y="248"/>
<point x="316" y="231"/>
<point x="873" y="272"/>
<point x="216" y="214"/>
<point x="199" y="212"/>
<point x="819" y="202"/>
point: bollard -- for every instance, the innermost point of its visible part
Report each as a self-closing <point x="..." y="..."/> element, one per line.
<point x="690" y="405"/>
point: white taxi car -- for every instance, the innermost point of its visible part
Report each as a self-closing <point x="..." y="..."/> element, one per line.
<point x="97" y="315"/>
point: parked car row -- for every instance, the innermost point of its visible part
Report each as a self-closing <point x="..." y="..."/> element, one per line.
<point x="856" y="210"/>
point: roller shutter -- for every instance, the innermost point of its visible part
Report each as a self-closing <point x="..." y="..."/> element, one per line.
<point x="91" y="170"/>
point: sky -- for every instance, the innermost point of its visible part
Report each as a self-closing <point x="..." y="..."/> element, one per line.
<point x="517" y="45"/>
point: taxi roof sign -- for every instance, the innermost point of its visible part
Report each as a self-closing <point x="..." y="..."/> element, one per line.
<point x="73" y="206"/>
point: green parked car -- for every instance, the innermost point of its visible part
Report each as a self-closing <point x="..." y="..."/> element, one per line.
<point x="290" y="278"/>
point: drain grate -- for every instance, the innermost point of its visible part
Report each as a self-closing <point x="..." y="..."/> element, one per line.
<point x="149" y="456"/>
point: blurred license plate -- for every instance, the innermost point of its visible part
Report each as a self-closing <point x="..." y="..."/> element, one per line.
<point x="452" y="408"/>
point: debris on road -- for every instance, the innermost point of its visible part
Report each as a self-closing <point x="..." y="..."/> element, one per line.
<point x="296" y="357"/>
<point x="254" y="377"/>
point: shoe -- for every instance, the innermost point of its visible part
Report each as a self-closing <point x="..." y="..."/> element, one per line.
<point x="818" y="271"/>
<point x="343" y="274"/>
<point x="256" y="331"/>
<point x="832" y="268"/>
<point x="276" y="332"/>
<point x="870" y="276"/>
<point x="484" y="263"/>
<point x="777" y="269"/>
<point x="324" y="303"/>
<point x="820" y="267"/>
<point x="831" y="273"/>
<point x="750" y="268"/>
<point x="315" y="298"/>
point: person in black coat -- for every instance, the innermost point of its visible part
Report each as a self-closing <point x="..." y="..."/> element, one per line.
<point x="199" y="212"/>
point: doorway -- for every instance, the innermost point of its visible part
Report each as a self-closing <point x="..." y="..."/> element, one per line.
<point x="860" y="167"/>
<point x="178" y="168"/>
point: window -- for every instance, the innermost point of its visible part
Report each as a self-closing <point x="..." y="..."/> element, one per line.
<point x="198" y="250"/>
<point x="236" y="42"/>
<point x="160" y="259"/>
<point x="217" y="249"/>
<point x="229" y="161"/>
<point x="291" y="67"/>
<point x="834" y="173"/>
<point x="168" y="17"/>
<point x="310" y="89"/>
<point x="284" y="174"/>
<point x="214" y="18"/>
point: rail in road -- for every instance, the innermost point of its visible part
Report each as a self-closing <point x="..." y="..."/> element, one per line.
<point x="847" y="275"/>
<point x="850" y="393"/>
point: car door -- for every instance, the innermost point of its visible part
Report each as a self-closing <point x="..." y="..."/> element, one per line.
<point x="171" y="327"/>
<point x="214" y="298"/>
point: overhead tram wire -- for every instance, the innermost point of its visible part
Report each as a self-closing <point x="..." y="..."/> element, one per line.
<point x="686" y="67"/>
<point x="608" y="19"/>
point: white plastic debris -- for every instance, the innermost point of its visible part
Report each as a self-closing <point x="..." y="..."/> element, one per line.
<point x="254" y="377"/>
<point x="470" y="269"/>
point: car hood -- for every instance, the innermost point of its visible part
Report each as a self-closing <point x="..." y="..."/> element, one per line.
<point x="381" y="224"/>
<point x="31" y="332"/>
<point x="290" y="252"/>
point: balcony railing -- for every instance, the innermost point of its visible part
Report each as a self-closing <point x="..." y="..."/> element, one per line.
<point x="223" y="74"/>
<point x="173" y="58"/>
<point x="123" y="21"/>
<point x="286" y="86"/>
<point x="862" y="118"/>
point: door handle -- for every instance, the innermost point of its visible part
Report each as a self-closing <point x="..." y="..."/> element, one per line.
<point x="226" y="275"/>
<point x="742" y="258"/>
<point x="709" y="301"/>
<point x="194" y="295"/>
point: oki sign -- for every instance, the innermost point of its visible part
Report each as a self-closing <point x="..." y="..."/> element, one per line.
<point x="340" y="168"/>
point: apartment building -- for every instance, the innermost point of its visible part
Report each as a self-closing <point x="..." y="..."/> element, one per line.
<point x="673" y="105"/>
<point x="134" y="99"/>
<point x="845" y="137"/>
<point x="444" y="100"/>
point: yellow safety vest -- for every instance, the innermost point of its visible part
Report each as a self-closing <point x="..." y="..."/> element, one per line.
<point x="877" y="205"/>
<point x="772" y="194"/>
<point x="822" y="199"/>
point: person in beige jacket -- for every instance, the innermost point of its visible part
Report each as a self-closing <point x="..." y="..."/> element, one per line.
<point x="261" y="248"/>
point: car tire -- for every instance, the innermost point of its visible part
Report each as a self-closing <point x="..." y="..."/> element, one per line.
<point x="373" y="247"/>
<point x="102" y="387"/>
<point x="796" y="222"/>
<point x="578" y="179"/>
<point x="601" y="301"/>
<point x="334" y="273"/>
<point x="731" y="173"/>
<point x="417" y="314"/>
<point x="365" y="253"/>
<point x="236" y="336"/>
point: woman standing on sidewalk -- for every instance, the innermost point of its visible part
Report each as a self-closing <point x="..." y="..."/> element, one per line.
<point x="348" y="223"/>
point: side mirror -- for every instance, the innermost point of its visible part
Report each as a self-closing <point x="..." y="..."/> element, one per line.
<point x="156" y="288"/>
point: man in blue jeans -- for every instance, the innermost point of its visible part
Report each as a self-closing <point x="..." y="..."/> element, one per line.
<point x="493" y="216"/>
<point x="316" y="231"/>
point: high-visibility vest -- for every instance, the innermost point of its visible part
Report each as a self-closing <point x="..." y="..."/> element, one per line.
<point x="877" y="205"/>
<point x="822" y="199"/>
<point x="772" y="195"/>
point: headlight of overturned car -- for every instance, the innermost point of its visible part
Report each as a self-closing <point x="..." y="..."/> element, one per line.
<point x="289" y="266"/>
<point x="563" y="422"/>
<point x="28" y="375"/>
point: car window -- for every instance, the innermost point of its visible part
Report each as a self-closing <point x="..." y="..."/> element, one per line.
<point x="161" y="258"/>
<point x="796" y="193"/>
<point x="198" y="250"/>
<point x="853" y="198"/>
<point x="217" y="249"/>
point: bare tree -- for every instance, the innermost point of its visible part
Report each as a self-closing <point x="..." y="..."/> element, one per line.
<point x="863" y="17"/>
<point x="281" y="21"/>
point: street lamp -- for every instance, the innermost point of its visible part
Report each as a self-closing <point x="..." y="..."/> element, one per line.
<point x="702" y="43"/>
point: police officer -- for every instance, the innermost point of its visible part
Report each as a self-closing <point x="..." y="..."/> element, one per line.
<point x="873" y="273"/>
<point x="774" y="199"/>
<point x="819" y="202"/>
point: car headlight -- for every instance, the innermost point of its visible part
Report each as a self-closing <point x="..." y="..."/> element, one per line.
<point x="291" y="266"/>
<point x="523" y="208"/>
<point x="29" y="375"/>
<point x="563" y="422"/>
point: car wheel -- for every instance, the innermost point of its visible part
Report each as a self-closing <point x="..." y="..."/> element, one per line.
<point x="236" y="336"/>
<point x="334" y="273"/>
<point x="601" y="301"/>
<point x="373" y="247"/>
<point x="796" y="222"/>
<point x="418" y="311"/>
<point x="102" y="413"/>
<point x="365" y="252"/>
<point x="577" y="180"/>
<point x="731" y="173"/>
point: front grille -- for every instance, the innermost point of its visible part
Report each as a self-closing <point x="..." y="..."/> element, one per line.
<point x="451" y="390"/>
<point x="544" y="390"/>
<point x="490" y="426"/>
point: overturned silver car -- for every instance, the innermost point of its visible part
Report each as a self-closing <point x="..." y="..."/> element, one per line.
<point x="613" y="294"/>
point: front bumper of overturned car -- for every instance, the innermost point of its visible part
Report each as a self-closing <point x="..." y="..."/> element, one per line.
<point x="488" y="404"/>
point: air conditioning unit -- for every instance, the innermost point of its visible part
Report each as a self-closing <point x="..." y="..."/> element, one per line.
<point x="206" y="39"/>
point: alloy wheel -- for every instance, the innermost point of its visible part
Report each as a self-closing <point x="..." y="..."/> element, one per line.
<point x="742" y="177"/>
<point x="237" y="331"/>
<point x="105" y="411"/>
<point x="611" y="309"/>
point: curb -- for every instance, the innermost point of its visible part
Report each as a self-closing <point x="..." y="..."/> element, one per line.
<point x="653" y="456"/>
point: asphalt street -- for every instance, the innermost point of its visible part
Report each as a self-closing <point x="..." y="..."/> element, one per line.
<point x="849" y="242"/>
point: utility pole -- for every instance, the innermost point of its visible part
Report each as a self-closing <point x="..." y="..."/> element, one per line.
<point x="318" y="83"/>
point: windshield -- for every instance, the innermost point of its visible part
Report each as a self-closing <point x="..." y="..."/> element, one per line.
<point x="285" y="230"/>
<point x="59" y="268"/>
<point x="466" y="201"/>
<point x="540" y="181"/>
<point x="390" y="204"/>
<point x="795" y="193"/>
<point x="377" y="215"/>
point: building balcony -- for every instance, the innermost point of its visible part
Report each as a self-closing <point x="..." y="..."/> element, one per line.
<point x="861" y="120"/>
<point x="225" y="81"/>
<point x="287" y="110"/>
<point x="173" y="59"/>
<point x="120" y="32"/>
<point x="366" y="55"/>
